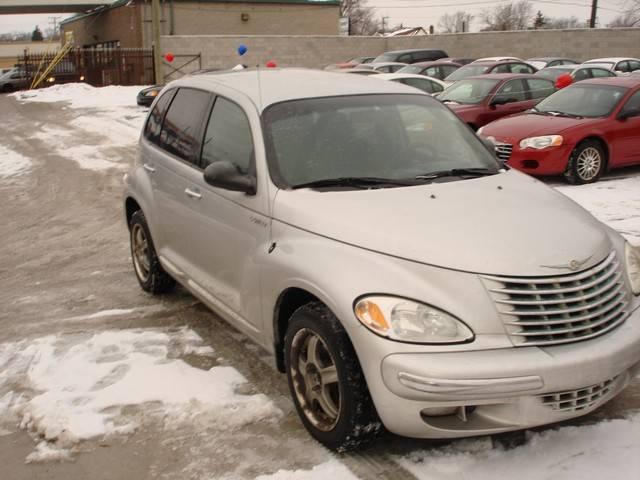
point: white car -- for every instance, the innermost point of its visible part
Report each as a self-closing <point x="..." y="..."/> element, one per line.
<point x="498" y="59"/>
<point x="383" y="67"/>
<point x="428" y="85"/>
<point x="620" y="65"/>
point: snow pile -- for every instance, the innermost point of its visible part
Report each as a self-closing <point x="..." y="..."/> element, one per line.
<point x="605" y="450"/>
<point x="614" y="202"/>
<point x="331" y="469"/>
<point x="12" y="164"/>
<point x="82" y="95"/>
<point x="73" y="388"/>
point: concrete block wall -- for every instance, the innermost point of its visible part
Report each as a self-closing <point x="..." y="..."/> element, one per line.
<point x="317" y="51"/>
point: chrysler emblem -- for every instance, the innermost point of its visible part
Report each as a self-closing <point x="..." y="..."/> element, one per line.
<point x="573" y="265"/>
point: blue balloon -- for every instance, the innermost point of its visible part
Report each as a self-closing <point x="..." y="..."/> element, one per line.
<point x="242" y="49"/>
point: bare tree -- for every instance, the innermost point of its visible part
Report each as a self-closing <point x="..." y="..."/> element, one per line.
<point x="564" y="22"/>
<point x="511" y="16"/>
<point x="362" y="19"/>
<point x="630" y="17"/>
<point x="455" y="22"/>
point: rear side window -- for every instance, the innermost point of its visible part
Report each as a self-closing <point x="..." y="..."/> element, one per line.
<point x="540" y="88"/>
<point x="228" y="136"/>
<point x="501" y="69"/>
<point x="581" y="74"/>
<point x="424" y="85"/>
<point x="182" y="125"/>
<point x="633" y="65"/>
<point x="406" y="58"/>
<point x="521" y="68"/>
<point x="601" y="72"/>
<point x="154" y="123"/>
<point x="512" y="91"/>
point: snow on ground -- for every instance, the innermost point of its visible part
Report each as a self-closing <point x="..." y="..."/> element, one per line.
<point x="12" y="164"/>
<point x="65" y="389"/>
<point x="332" y="469"/>
<point x="615" y="202"/>
<point x="605" y="450"/>
<point x="108" y="119"/>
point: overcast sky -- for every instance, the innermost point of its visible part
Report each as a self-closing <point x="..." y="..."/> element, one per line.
<point x="409" y="12"/>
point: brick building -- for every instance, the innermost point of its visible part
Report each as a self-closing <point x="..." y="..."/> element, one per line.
<point x="127" y="23"/>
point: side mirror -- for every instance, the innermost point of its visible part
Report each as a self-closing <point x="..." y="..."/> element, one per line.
<point x="225" y="175"/>
<point x="632" y="112"/>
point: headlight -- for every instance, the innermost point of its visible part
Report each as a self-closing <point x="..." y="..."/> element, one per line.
<point x="541" y="142"/>
<point x="408" y="321"/>
<point x="480" y="130"/>
<point x="152" y="93"/>
<point x="632" y="256"/>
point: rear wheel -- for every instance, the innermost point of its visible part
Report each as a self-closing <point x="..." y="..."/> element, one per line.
<point x="586" y="164"/>
<point x="150" y="274"/>
<point x="7" y="88"/>
<point x="326" y="381"/>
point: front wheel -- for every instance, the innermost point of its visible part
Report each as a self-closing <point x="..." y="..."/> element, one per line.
<point x="326" y="381"/>
<point x="586" y="164"/>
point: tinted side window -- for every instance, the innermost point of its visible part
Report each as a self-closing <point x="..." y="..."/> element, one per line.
<point x="424" y="85"/>
<point x="447" y="70"/>
<point x="601" y="72"/>
<point x="513" y="91"/>
<point x="622" y="67"/>
<point x="521" y="68"/>
<point x="633" y="65"/>
<point x="154" y="123"/>
<point x="406" y="58"/>
<point x="501" y="69"/>
<point x="540" y="88"/>
<point x="228" y="136"/>
<point x="581" y="74"/>
<point x="183" y="123"/>
<point x="633" y="103"/>
<point x="432" y="72"/>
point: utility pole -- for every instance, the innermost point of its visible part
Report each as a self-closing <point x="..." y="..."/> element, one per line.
<point x="54" y="21"/>
<point x="594" y="14"/>
<point x="157" y="55"/>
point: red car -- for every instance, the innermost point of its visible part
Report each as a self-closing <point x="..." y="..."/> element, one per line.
<point x="485" y="98"/>
<point x="579" y="131"/>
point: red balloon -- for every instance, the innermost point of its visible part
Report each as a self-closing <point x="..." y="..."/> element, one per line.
<point x="271" y="64"/>
<point x="169" y="57"/>
<point x="564" y="80"/>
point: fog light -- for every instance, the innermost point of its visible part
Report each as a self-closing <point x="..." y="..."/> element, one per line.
<point x="532" y="164"/>
<point x="438" y="411"/>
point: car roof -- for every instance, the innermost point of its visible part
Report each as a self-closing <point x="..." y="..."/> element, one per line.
<point x="609" y="59"/>
<point x="491" y="63"/>
<point x="411" y="50"/>
<point x="548" y="58"/>
<point x="385" y="64"/>
<point x="628" y="82"/>
<point x="392" y="76"/>
<point x="565" y="67"/>
<point x="435" y="63"/>
<point x="504" y="76"/>
<point x="265" y="87"/>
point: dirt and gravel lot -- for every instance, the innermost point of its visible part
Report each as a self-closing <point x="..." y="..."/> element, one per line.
<point x="67" y="286"/>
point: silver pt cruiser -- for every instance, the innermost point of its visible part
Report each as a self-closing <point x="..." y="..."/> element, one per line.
<point x="367" y="238"/>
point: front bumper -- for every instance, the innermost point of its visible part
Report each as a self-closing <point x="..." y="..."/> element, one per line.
<point x="501" y="390"/>
<point x="548" y="161"/>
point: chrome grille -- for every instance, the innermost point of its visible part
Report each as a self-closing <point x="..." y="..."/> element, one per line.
<point x="503" y="151"/>
<point x="576" y="400"/>
<point x="561" y="309"/>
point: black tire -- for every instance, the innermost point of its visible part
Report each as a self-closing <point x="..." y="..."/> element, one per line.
<point x="357" y="423"/>
<point x="7" y="88"/>
<point x="151" y="276"/>
<point x="587" y="163"/>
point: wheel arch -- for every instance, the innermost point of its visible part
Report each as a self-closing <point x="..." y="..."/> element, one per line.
<point x="603" y="143"/>
<point x="288" y="302"/>
<point x="131" y="206"/>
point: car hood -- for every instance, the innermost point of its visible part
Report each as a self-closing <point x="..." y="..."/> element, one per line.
<point x="530" y="125"/>
<point x="505" y="224"/>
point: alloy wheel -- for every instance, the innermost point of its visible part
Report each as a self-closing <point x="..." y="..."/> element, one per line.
<point x="589" y="163"/>
<point x="315" y="380"/>
<point x="140" y="252"/>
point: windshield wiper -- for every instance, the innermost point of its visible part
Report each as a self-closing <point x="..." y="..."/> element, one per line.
<point x="557" y="113"/>
<point x="450" y="101"/>
<point x="458" y="172"/>
<point x="356" y="182"/>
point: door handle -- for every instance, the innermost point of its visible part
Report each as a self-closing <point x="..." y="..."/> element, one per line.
<point x="148" y="168"/>
<point x="193" y="193"/>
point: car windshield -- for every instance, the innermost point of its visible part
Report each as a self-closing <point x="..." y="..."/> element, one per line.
<point x="392" y="137"/>
<point x="467" y="71"/>
<point x="470" y="92"/>
<point x="410" y="69"/>
<point x="553" y="73"/>
<point x="385" y="57"/>
<point x="583" y="100"/>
